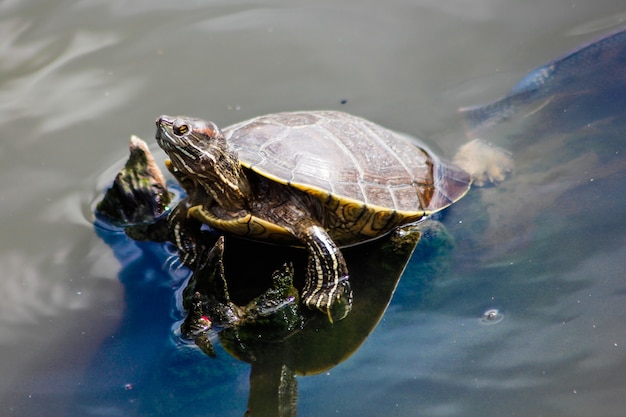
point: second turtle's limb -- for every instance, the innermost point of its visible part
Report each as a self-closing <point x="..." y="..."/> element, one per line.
<point x="485" y="163"/>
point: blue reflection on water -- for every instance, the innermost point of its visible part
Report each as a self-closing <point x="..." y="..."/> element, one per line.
<point x="143" y="369"/>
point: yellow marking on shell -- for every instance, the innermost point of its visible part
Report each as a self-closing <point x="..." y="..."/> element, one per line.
<point x="365" y="220"/>
<point x="248" y="225"/>
<point x="356" y="220"/>
<point x="352" y="212"/>
<point x="383" y="220"/>
<point x="341" y="201"/>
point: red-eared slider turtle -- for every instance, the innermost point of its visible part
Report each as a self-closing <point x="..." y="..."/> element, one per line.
<point x="319" y="179"/>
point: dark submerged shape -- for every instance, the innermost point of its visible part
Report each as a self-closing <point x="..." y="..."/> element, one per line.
<point x="321" y="180"/>
<point x="595" y="68"/>
<point x="139" y="193"/>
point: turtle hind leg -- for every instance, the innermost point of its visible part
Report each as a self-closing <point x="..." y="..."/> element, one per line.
<point x="327" y="287"/>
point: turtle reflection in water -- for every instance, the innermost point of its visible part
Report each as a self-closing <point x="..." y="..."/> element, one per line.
<point x="273" y="333"/>
<point x="271" y="316"/>
<point x="321" y="180"/>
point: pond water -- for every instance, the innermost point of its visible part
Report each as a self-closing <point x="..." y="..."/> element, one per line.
<point x="88" y="319"/>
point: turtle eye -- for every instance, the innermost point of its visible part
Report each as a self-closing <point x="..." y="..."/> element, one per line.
<point x="180" y="129"/>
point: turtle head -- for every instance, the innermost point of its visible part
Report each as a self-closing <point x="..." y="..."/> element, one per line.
<point x="199" y="151"/>
<point x="193" y="145"/>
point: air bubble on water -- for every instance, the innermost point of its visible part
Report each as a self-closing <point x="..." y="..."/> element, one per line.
<point x="491" y="316"/>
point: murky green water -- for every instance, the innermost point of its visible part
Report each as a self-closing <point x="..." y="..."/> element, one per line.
<point x="83" y="332"/>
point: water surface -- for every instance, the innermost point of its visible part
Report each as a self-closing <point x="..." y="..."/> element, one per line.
<point x="85" y="331"/>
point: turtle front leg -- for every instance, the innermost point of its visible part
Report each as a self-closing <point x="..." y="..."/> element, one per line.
<point x="186" y="234"/>
<point x="326" y="287"/>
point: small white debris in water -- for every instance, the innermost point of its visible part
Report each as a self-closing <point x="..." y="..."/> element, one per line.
<point x="492" y="316"/>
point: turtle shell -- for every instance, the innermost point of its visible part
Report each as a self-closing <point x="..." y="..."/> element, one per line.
<point x="373" y="178"/>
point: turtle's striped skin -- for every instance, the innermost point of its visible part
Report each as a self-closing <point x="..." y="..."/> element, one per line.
<point x="319" y="179"/>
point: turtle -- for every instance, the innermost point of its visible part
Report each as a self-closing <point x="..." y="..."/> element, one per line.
<point x="321" y="180"/>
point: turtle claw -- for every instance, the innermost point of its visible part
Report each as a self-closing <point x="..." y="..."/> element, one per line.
<point x="342" y="304"/>
<point x="335" y="301"/>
